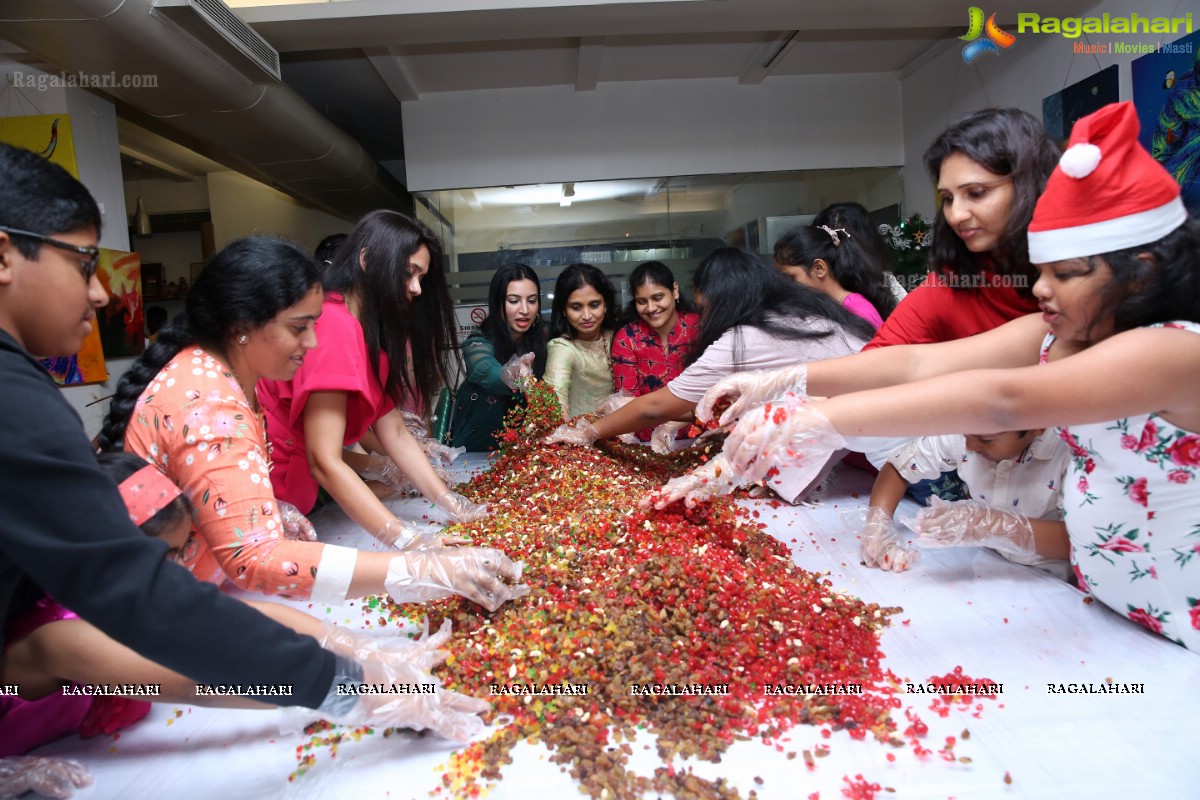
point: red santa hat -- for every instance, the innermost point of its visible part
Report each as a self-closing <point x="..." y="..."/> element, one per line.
<point x="1107" y="193"/>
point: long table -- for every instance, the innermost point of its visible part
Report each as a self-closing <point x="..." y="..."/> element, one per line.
<point x="1041" y="737"/>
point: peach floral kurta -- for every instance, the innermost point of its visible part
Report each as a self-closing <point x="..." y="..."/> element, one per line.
<point x="194" y="422"/>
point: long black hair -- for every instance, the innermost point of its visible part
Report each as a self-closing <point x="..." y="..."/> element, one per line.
<point x="855" y="218"/>
<point x="736" y="288"/>
<point x="418" y="334"/>
<point x="849" y="264"/>
<point x="1162" y="288"/>
<point x="495" y="327"/>
<point x="659" y="274"/>
<point x="1008" y="142"/>
<point x="573" y="278"/>
<point x="242" y="288"/>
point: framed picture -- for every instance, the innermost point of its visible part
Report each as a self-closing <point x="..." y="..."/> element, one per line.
<point x="197" y="268"/>
<point x="152" y="281"/>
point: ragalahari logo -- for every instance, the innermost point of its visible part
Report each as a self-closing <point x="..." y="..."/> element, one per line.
<point x="994" y="37"/>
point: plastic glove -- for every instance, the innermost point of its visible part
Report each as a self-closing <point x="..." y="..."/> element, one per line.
<point x="403" y="535"/>
<point x="749" y="389"/>
<point x="700" y="485"/>
<point x="792" y="434"/>
<point x="398" y="661"/>
<point x="460" y="508"/>
<point x="884" y="544"/>
<point x="664" y="436"/>
<point x="516" y="371"/>
<point x="974" y="523"/>
<point x="613" y="402"/>
<point x="475" y="573"/>
<point x="440" y="455"/>
<point x="416" y="426"/>
<point x="295" y="525"/>
<point x="46" y="776"/>
<point x="580" y="433"/>
<point x="383" y="469"/>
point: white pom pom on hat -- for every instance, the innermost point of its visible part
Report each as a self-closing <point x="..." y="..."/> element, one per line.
<point x="1080" y="160"/>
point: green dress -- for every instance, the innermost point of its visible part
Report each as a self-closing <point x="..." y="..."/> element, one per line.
<point x="580" y="372"/>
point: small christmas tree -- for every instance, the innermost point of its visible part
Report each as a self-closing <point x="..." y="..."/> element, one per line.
<point x="909" y="242"/>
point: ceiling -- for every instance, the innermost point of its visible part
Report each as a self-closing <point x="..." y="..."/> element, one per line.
<point x="357" y="62"/>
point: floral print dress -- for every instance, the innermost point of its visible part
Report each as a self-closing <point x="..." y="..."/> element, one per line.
<point x="193" y="421"/>
<point x="1131" y="501"/>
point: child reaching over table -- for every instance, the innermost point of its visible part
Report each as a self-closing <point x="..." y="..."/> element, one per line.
<point x="1118" y="372"/>
<point x="1015" y="484"/>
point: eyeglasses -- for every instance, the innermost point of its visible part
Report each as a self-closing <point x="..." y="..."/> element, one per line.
<point x="91" y="254"/>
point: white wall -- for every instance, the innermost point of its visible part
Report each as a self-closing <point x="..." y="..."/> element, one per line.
<point x="1037" y="65"/>
<point x="242" y="206"/>
<point x="94" y="125"/>
<point x="650" y="129"/>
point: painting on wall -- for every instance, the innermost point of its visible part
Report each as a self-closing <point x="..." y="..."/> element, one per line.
<point x="49" y="135"/>
<point x="1166" y="93"/>
<point x="1062" y="109"/>
<point x="121" y="322"/>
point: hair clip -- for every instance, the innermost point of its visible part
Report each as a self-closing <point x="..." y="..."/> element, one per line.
<point x="833" y="233"/>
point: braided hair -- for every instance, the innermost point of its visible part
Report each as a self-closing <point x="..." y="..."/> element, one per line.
<point x="242" y="288"/>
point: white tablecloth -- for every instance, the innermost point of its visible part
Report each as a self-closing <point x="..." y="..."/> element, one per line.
<point x="963" y="607"/>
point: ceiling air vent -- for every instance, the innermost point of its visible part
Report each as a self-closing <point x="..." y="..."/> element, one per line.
<point x="212" y="23"/>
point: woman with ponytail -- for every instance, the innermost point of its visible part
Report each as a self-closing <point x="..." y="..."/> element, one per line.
<point x="189" y="405"/>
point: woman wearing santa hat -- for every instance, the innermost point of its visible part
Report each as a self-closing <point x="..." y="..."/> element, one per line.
<point x="1113" y="360"/>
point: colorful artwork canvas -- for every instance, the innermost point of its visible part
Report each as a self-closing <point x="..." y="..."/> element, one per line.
<point x="121" y="322"/>
<point x="49" y="135"/>
<point x="1166" y="93"/>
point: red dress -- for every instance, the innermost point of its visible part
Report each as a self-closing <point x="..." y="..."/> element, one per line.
<point x="339" y="363"/>
<point x="641" y="364"/>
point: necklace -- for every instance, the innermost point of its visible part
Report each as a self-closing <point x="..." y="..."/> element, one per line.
<point x="251" y="395"/>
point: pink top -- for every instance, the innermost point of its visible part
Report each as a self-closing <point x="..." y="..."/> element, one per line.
<point x="338" y="364"/>
<point x="857" y="304"/>
<point x="195" y="424"/>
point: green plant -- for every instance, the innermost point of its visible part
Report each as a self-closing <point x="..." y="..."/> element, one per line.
<point x="909" y="242"/>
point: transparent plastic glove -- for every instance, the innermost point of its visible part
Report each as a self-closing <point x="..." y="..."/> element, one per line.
<point x="974" y="523"/>
<point x="45" y="776"/>
<point x="416" y="426"/>
<point x="792" y="433"/>
<point x="440" y="455"/>
<point x="460" y="508"/>
<point x="698" y="486"/>
<point x="613" y="402"/>
<point x="580" y="433"/>
<point x="403" y="535"/>
<point x="516" y="371"/>
<point x="884" y="543"/>
<point x="383" y="469"/>
<point x="749" y="389"/>
<point x="295" y="525"/>
<point x="388" y="661"/>
<point x="476" y="573"/>
<point x="664" y="436"/>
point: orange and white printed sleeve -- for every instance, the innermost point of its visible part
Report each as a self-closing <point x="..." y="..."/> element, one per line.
<point x="194" y="422"/>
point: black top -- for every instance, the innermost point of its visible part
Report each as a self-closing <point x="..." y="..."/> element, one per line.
<point x="64" y="531"/>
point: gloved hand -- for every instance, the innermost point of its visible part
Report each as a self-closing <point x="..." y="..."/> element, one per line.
<point x="884" y="544"/>
<point x="47" y="776"/>
<point x="383" y="469"/>
<point x="664" y="435"/>
<point x="295" y="525"/>
<point x="749" y="389"/>
<point x="397" y="660"/>
<point x="460" y="508"/>
<point x="403" y="535"/>
<point x="475" y="573"/>
<point x="974" y="523"/>
<point x="701" y="484"/>
<point x="415" y="425"/>
<point x="581" y="433"/>
<point x="792" y="433"/>
<point x="516" y="371"/>
<point x="613" y="402"/>
<point x="439" y="455"/>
